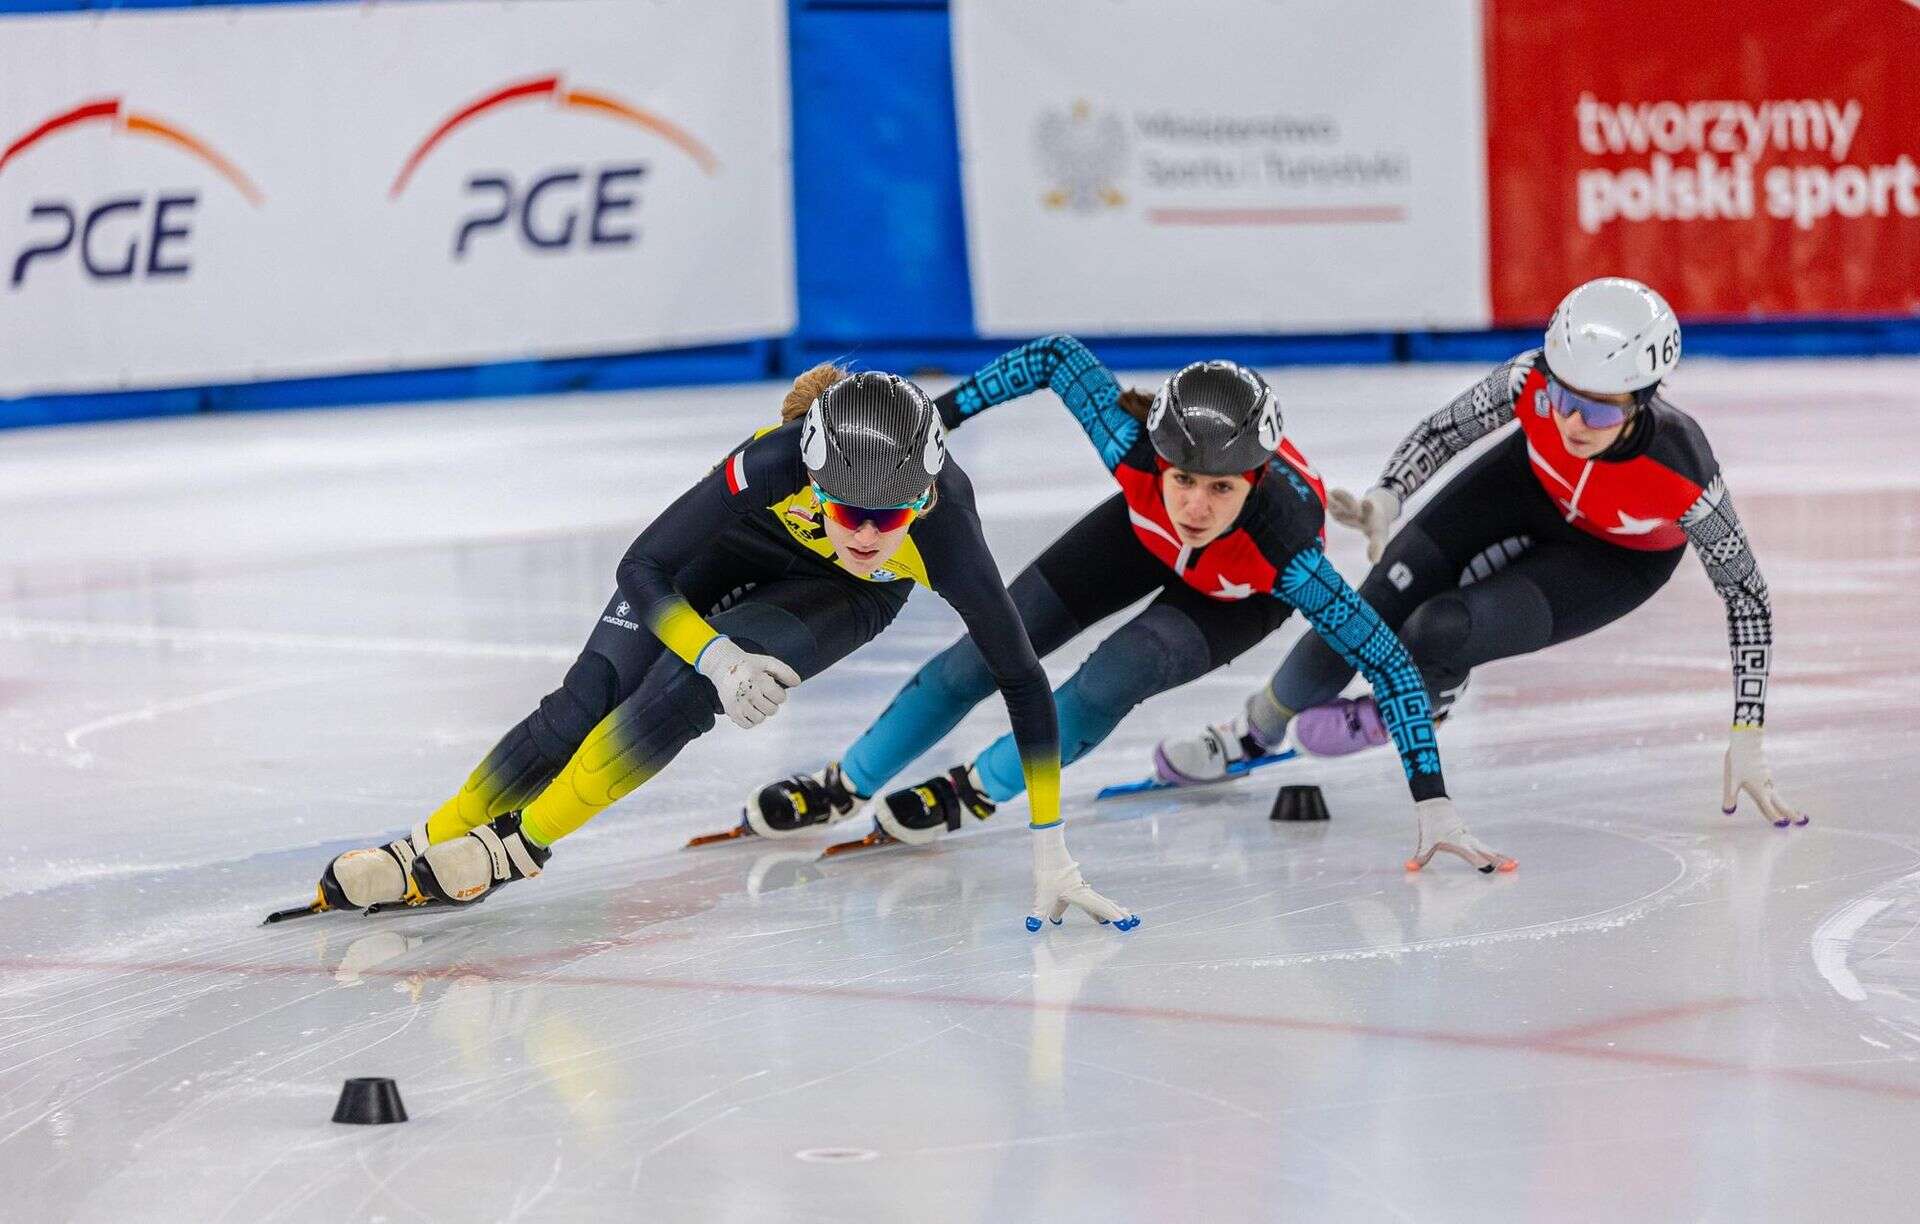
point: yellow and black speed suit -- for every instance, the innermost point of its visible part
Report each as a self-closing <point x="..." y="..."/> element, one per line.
<point x="743" y="553"/>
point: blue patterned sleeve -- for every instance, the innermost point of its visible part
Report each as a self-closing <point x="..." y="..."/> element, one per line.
<point x="1066" y="367"/>
<point x="1350" y="625"/>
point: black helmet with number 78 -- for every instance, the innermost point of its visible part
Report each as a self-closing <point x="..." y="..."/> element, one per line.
<point x="873" y="440"/>
<point x="1215" y="418"/>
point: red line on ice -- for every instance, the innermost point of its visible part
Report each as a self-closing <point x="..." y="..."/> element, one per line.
<point x="1548" y="1044"/>
<point x="1659" y="1015"/>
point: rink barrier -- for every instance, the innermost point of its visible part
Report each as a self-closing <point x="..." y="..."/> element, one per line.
<point x="881" y="259"/>
<point x="747" y="362"/>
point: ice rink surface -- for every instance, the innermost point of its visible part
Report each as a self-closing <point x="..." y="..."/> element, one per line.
<point x="232" y="646"/>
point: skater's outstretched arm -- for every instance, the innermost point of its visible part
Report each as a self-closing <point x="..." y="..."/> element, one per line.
<point x="1349" y="624"/>
<point x="963" y="571"/>
<point x="1063" y="365"/>
<point x="1720" y="539"/>
<point x="1717" y="535"/>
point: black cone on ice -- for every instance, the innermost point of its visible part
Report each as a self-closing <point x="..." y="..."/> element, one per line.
<point x="1299" y="803"/>
<point x="369" y="1102"/>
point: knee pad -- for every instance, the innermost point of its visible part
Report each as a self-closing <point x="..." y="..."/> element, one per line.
<point x="677" y="703"/>
<point x="1437" y="632"/>
<point x="570" y="712"/>
<point x="673" y="706"/>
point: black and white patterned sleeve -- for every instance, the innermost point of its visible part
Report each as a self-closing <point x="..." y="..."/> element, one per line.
<point x="1474" y="414"/>
<point x="1721" y="541"/>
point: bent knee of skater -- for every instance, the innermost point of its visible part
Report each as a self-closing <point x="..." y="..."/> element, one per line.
<point x="569" y="713"/>
<point x="1138" y="661"/>
<point x="1438" y="628"/>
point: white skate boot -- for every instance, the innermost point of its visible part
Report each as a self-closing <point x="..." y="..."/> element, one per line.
<point x="1207" y="757"/>
<point x="376" y="875"/>
<point x="466" y="869"/>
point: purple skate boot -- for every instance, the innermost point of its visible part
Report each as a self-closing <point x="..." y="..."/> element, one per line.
<point x="1339" y="727"/>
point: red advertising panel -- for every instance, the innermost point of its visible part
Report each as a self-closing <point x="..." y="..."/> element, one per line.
<point x="1745" y="160"/>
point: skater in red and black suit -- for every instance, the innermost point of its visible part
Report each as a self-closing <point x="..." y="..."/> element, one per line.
<point x="1218" y="519"/>
<point x="1569" y="523"/>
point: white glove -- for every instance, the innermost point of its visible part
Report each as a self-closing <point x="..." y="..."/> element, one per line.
<point x="1745" y="769"/>
<point x="751" y="686"/>
<point x="1057" y="884"/>
<point x="1373" y="514"/>
<point x="1442" y="829"/>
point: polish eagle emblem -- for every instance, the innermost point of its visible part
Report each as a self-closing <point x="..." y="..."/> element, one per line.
<point x="1084" y="155"/>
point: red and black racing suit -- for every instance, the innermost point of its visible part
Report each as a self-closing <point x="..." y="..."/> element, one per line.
<point x="1530" y="545"/>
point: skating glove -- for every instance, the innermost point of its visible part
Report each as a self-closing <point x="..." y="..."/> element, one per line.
<point x="1057" y="884"/>
<point x="1745" y="769"/>
<point x="751" y="686"/>
<point x="1442" y="829"/>
<point x="1373" y="514"/>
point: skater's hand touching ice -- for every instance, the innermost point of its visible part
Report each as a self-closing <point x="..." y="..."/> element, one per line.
<point x="1745" y="769"/>
<point x="751" y="686"/>
<point x="1373" y="514"/>
<point x="1442" y="829"/>
<point x="1057" y="884"/>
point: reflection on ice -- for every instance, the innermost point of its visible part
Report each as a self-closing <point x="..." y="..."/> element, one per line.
<point x="214" y="675"/>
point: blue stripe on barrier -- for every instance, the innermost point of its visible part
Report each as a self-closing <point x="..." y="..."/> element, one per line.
<point x="963" y="356"/>
<point x="100" y="6"/>
<point x="745" y="362"/>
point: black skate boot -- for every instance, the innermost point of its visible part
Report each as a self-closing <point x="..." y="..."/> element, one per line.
<point x="918" y="814"/>
<point x="793" y="805"/>
<point x="790" y="806"/>
<point x="467" y="869"/>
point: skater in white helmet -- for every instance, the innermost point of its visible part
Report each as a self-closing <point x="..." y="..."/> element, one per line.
<point x="1568" y="524"/>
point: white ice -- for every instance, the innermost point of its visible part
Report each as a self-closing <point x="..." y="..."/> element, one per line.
<point x="232" y="646"/>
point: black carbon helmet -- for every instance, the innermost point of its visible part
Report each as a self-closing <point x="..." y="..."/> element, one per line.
<point x="873" y="440"/>
<point x="1215" y="418"/>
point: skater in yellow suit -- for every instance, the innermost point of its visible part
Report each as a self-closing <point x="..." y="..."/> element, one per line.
<point x="798" y="548"/>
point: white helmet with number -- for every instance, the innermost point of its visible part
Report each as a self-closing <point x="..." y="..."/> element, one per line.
<point x="1612" y="335"/>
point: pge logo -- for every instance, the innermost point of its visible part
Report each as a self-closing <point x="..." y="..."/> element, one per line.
<point x="137" y="235"/>
<point x="562" y="208"/>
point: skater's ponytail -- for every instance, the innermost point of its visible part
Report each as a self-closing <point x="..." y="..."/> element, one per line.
<point x="1136" y="403"/>
<point x="807" y="388"/>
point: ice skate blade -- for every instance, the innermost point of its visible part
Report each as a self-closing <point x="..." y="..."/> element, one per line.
<point x="298" y="911"/>
<point x="408" y="907"/>
<point x="743" y="829"/>
<point x="1149" y="785"/>
<point x="316" y="906"/>
<point x="872" y="841"/>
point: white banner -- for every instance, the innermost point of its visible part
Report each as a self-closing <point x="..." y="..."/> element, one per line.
<point x="1222" y="165"/>
<point x="228" y="194"/>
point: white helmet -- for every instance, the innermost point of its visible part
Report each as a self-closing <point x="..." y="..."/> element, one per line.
<point x="1612" y="335"/>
